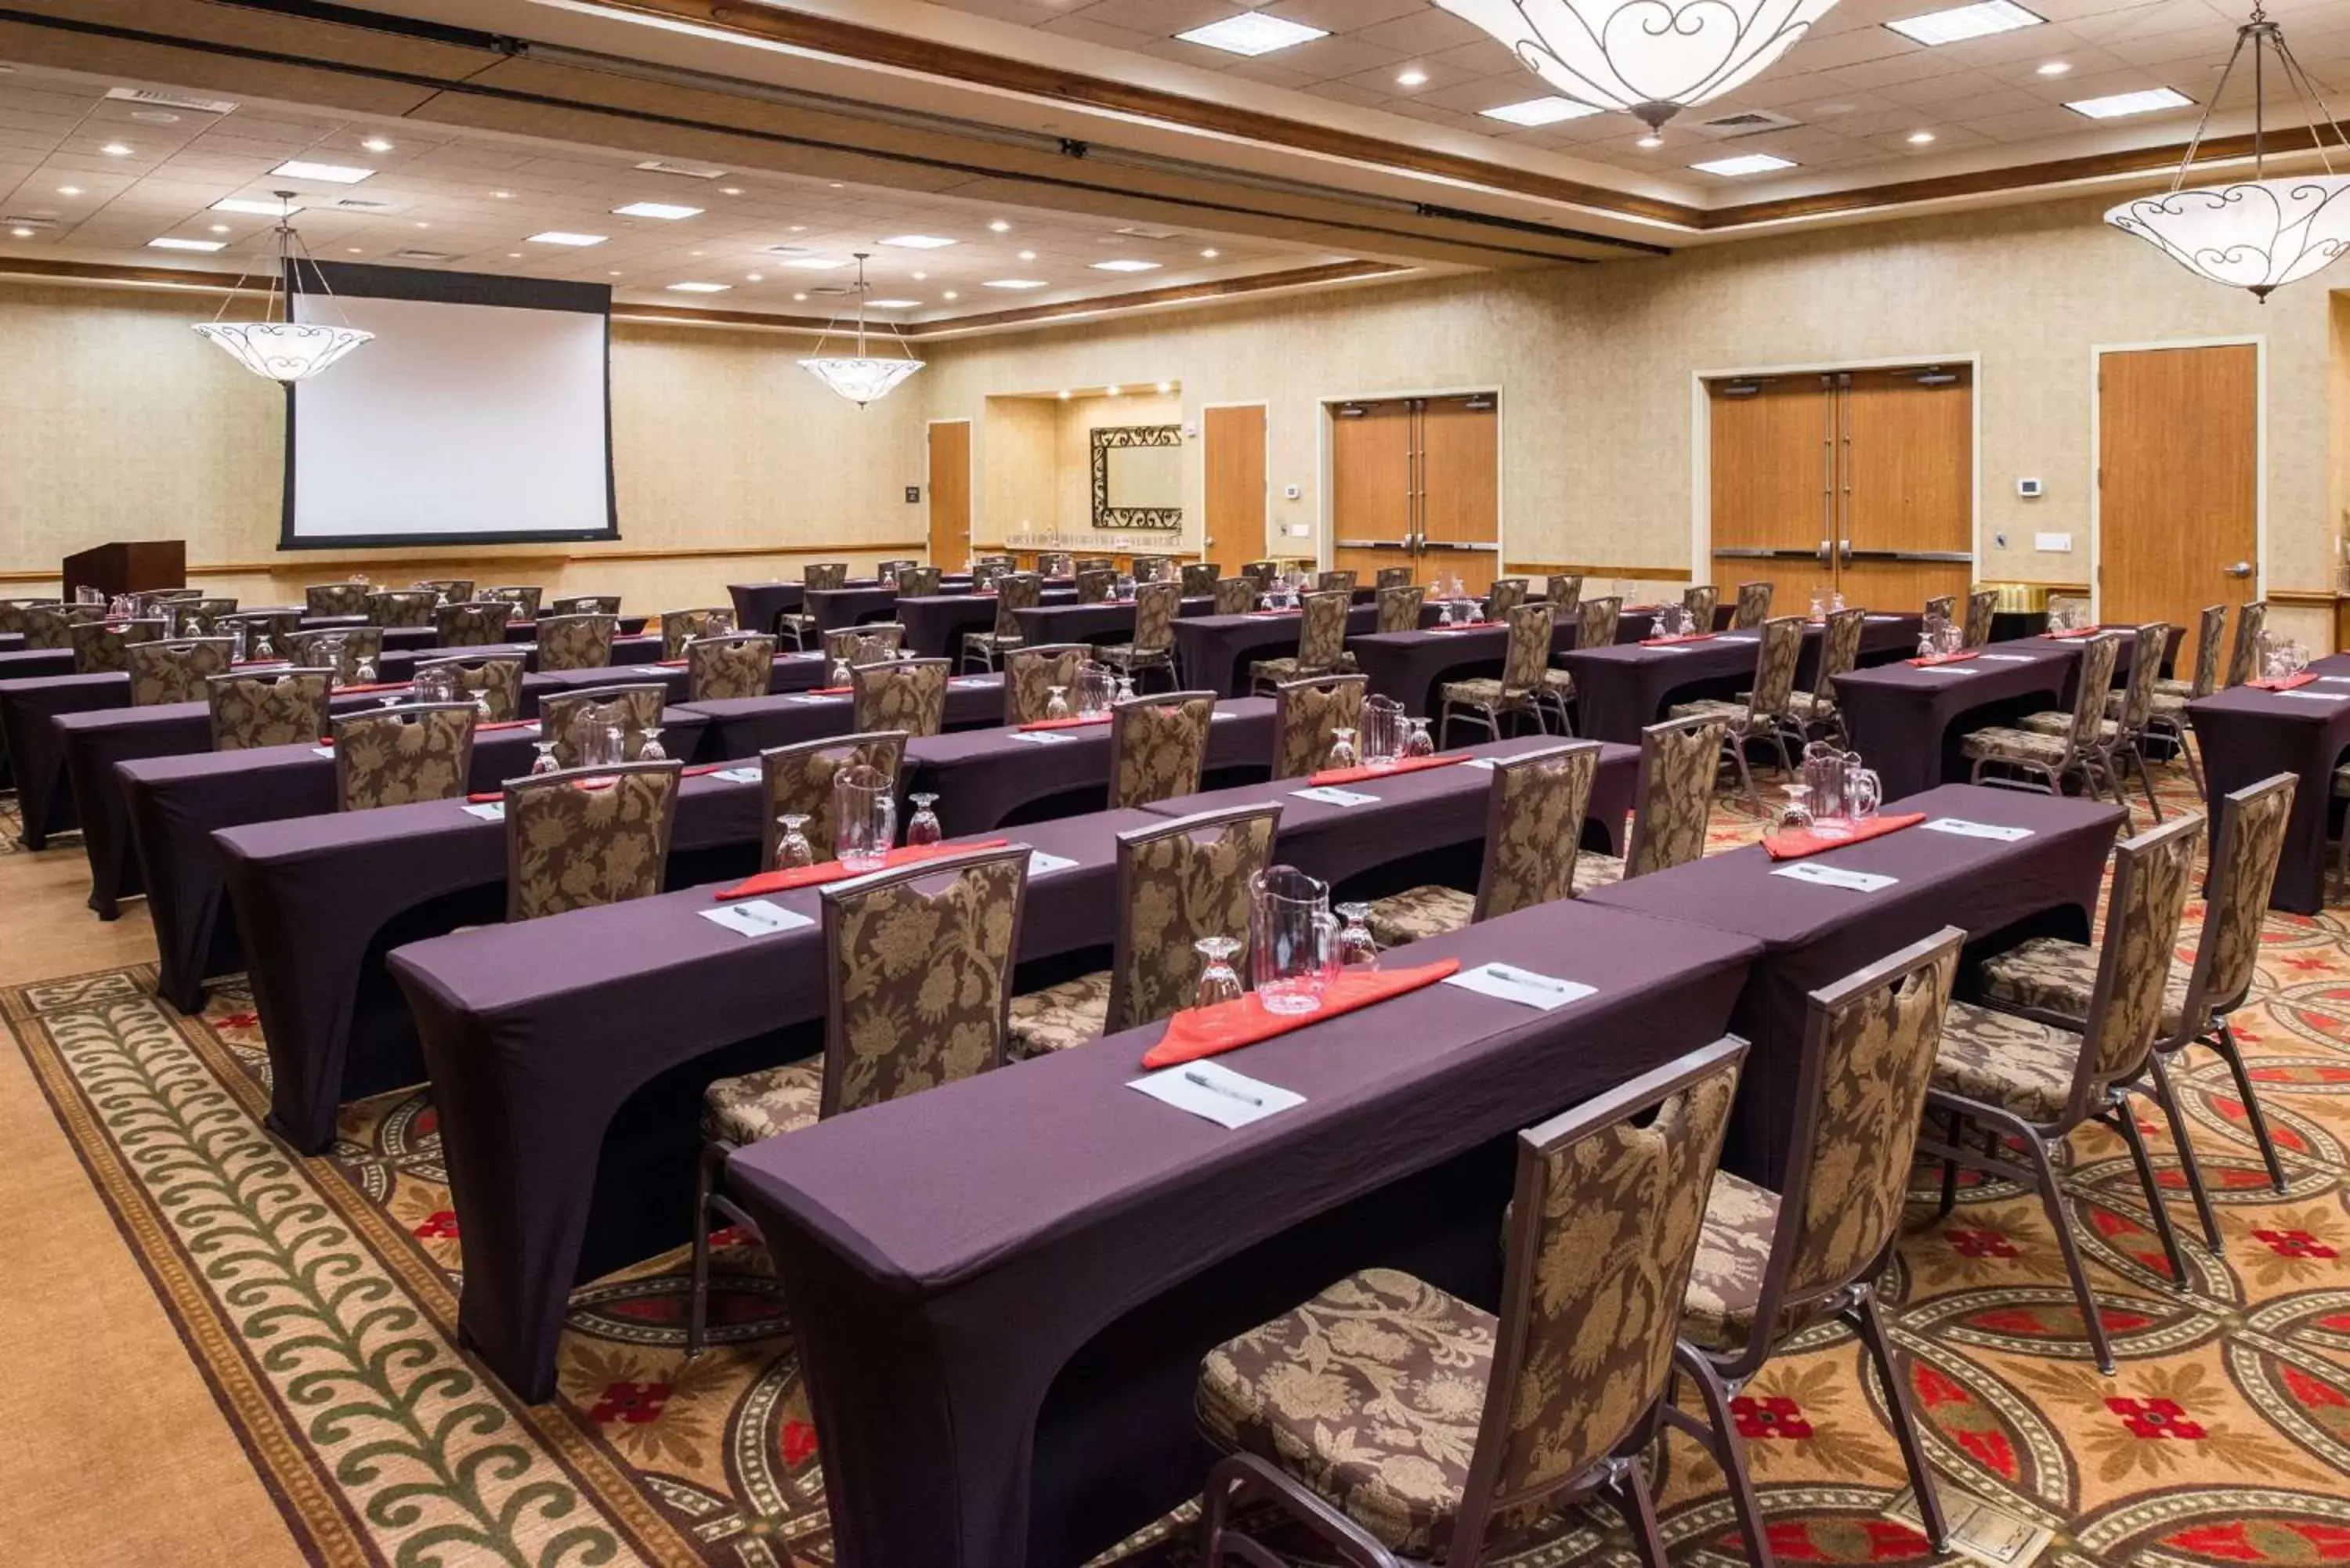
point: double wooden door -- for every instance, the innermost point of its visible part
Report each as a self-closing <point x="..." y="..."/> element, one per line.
<point x="2178" y="482"/>
<point x="1857" y="482"/>
<point x="1416" y="482"/>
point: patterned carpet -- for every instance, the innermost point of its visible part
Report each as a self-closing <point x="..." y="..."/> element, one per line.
<point x="318" y="1297"/>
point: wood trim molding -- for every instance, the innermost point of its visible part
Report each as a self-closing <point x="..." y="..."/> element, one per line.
<point x="1144" y="299"/>
<point x="310" y="562"/>
<point x="1549" y="568"/>
<point x="2308" y="599"/>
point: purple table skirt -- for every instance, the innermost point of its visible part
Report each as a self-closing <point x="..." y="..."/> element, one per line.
<point x="987" y="778"/>
<point x="2246" y="734"/>
<point x="756" y="605"/>
<point x="860" y="600"/>
<point x="936" y="624"/>
<point x="1907" y="722"/>
<point x="1409" y="666"/>
<point x="1620" y="691"/>
<point x="173" y="804"/>
<point x="1814" y="936"/>
<point x="36" y="758"/>
<point x="1213" y="653"/>
<point x="743" y="727"/>
<point x="958" y="1265"/>
<point x="1110" y="620"/>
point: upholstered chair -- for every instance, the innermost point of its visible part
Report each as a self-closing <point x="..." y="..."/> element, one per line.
<point x="1158" y="746"/>
<point x="1236" y="596"/>
<point x="1482" y="700"/>
<point x="1262" y="572"/>
<point x="196" y="617"/>
<point x="2025" y="755"/>
<point x="1338" y="582"/>
<point x="335" y="598"/>
<point x="1393" y="577"/>
<point x="398" y="756"/>
<point x="1057" y="564"/>
<point x="12" y="614"/>
<point x="908" y="694"/>
<point x="1672" y="804"/>
<point x="1814" y="712"/>
<point x="525" y="599"/>
<point x="2244" y="655"/>
<point x="560" y="715"/>
<point x="583" y="837"/>
<point x="1030" y="674"/>
<point x="1767" y="713"/>
<point x="584" y="604"/>
<point x="2056" y="980"/>
<point x="575" y="641"/>
<point x="1771" y="1265"/>
<point x="1156" y="605"/>
<point x="679" y="627"/>
<point x="893" y="570"/>
<point x="719" y="669"/>
<point x="475" y="625"/>
<point x="1305" y="713"/>
<point x="1942" y="606"/>
<point x="1176" y="885"/>
<point x="360" y="645"/>
<point x="1400" y="607"/>
<point x="403" y="607"/>
<point x="50" y="626"/>
<point x="1013" y="593"/>
<point x="2026" y="1083"/>
<point x="1563" y="591"/>
<point x="493" y="685"/>
<point x="917" y="972"/>
<point x="1506" y="595"/>
<point x="1094" y="586"/>
<point x="268" y="633"/>
<point x="1097" y="564"/>
<point x="917" y="582"/>
<point x="864" y="643"/>
<point x="1981" y="605"/>
<point x="1153" y="569"/>
<point x="448" y="590"/>
<point x="797" y="781"/>
<point x="1701" y="601"/>
<point x="1200" y="578"/>
<point x="1753" y="606"/>
<point x="2119" y="736"/>
<point x="283" y="706"/>
<point x="1533" y="832"/>
<point x="1402" y="1425"/>
<point x="1595" y="626"/>
<point x="175" y="672"/>
<point x="103" y="647"/>
<point x="1321" y="644"/>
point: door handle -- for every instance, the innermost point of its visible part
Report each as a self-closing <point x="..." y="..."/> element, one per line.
<point x="2240" y="569"/>
<point x="1826" y="549"/>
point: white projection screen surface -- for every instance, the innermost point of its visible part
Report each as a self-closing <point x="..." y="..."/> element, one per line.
<point x="481" y="414"/>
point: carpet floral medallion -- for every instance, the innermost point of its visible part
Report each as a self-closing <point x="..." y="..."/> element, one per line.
<point x="318" y="1297"/>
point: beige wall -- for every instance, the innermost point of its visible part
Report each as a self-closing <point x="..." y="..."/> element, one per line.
<point x="117" y="422"/>
<point x="1037" y="453"/>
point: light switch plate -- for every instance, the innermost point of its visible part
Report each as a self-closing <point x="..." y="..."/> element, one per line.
<point x="2060" y="543"/>
<point x="1301" y="530"/>
<point x="1291" y="492"/>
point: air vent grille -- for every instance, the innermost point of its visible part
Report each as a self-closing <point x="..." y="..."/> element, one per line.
<point x="689" y="170"/>
<point x="415" y="255"/>
<point x="1747" y="122"/>
<point x="149" y="96"/>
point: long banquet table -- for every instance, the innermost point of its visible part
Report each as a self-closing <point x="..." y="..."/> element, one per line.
<point x="1213" y="653"/>
<point x="745" y="726"/>
<point x="1001" y="1289"/>
<point x="1408" y="666"/>
<point x="1622" y="689"/>
<point x="2245" y="734"/>
<point x="1907" y="719"/>
<point x="756" y="605"/>
<point x="937" y="623"/>
<point x="1813" y="935"/>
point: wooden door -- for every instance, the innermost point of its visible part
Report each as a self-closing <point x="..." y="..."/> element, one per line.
<point x="2178" y="482"/>
<point x="1460" y="485"/>
<point x="1234" y="438"/>
<point x="950" y="494"/>
<point x="1906" y="459"/>
<point x="1372" y="490"/>
<point x="1772" y="466"/>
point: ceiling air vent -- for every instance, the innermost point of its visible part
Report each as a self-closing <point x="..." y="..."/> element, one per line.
<point x="358" y="204"/>
<point x="1747" y="122"/>
<point x="689" y="171"/>
<point x="412" y="255"/>
<point x="1145" y="232"/>
<point x="154" y="99"/>
<point x="23" y="221"/>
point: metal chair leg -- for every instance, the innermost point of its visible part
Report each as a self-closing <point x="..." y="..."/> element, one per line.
<point x="705" y="1183"/>
<point x="1718" y="1433"/>
<point x="2125" y="1120"/>
<point x="1871" y="1328"/>
<point x="1630" y="1495"/>
<point x="2224" y="1041"/>
<point x="2052" y="1199"/>
<point x="2168" y="1098"/>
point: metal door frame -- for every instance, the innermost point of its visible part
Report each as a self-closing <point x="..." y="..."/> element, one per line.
<point x="1326" y="525"/>
<point x="2259" y="344"/>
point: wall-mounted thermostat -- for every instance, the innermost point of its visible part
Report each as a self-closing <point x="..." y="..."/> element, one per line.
<point x="2028" y="488"/>
<point x="1291" y="492"/>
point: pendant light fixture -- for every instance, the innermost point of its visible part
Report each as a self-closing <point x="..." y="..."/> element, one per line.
<point x="861" y="378"/>
<point x="1651" y="58"/>
<point x="278" y="347"/>
<point x="2258" y="233"/>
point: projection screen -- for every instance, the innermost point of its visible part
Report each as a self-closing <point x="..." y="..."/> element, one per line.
<point x="481" y="414"/>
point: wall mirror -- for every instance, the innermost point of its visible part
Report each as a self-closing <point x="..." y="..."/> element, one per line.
<point x="1138" y="476"/>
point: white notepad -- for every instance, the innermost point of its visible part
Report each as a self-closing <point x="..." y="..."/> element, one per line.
<point x="2009" y="657"/>
<point x="738" y="775"/>
<point x="757" y="918"/>
<point x="1946" y="669"/>
<point x="2315" y="696"/>
<point x="1041" y="737"/>
<point x="322" y="750"/>
<point x="1039" y="862"/>
<point x="1834" y="876"/>
<point x="1965" y="829"/>
<point x="1523" y="986"/>
<point x="488" y="810"/>
<point x="1331" y="794"/>
<point x="1218" y="1093"/>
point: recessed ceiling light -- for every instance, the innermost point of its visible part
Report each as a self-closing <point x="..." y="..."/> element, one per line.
<point x="565" y="237"/>
<point x="514" y="256"/>
<point x="1920" y="138"/>
<point x="921" y="277"/>
<point x="422" y="225"/>
<point x="755" y="278"/>
<point x="2054" y="67"/>
<point x="1112" y="391"/>
<point x="356" y="250"/>
<point x="697" y="252"/>
<point x="503" y="195"/>
<point x="1210" y="254"/>
<point x="68" y="189"/>
<point x="173" y="243"/>
<point x="668" y="212"/>
<point x="1746" y="163"/>
<point x="799" y="297"/>
<point x="1539" y="111"/>
<point x="1960" y="23"/>
<point x="2115" y="104"/>
<point x="1065" y="394"/>
<point x="951" y="294"/>
<point x="115" y="150"/>
<point x="893" y="303"/>
<point x="816" y="263"/>
<point x="730" y="190"/>
<point x="327" y="173"/>
<point x="918" y="241"/>
<point x="699" y="288"/>
<point x="1412" y="77"/>
<point x="1252" y="33"/>
<point x="375" y="144"/>
<point x="999" y="227"/>
<point x="22" y="234"/>
<point x="257" y="209"/>
<point x="1165" y="387"/>
<point x="1016" y="283"/>
<point x="219" y="228"/>
<point x="1652" y="141"/>
<point x="1125" y="264"/>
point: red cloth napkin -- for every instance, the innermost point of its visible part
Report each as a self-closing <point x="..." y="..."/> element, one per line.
<point x="1063" y="724"/>
<point x="2286" y="684"/>
<point x="834" y="871"/>
<point x="1468" y="626"/>
<point x="1943" y="659"/>
<point x="2068" y="636"/>
<point x="374" y="686"/>
<point x="1401" y="765"/>
<point x="1198" y="1031"/>
<point x="830" y="691"/>
<point x="1685" y="636"/>
<point x="1805" y="841"/>
<point x="505" y="724"/>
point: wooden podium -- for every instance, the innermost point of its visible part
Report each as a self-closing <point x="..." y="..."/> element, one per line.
<point x="128" y="568"/>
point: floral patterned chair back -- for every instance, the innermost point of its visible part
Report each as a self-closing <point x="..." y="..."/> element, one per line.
<point x="1017" y="592"/>
<point x="175" y="672"/>
<point x="1754" y="606"/>
<point x="398" y="756"/>
<point x="1595" y="621"/>
<point x="1533" y="827"/>
<point x="2146" y="668"/>
<point x="1393" y="577"/>
<point x="797" y="781"/>
<point x="1944" y="607"/>
<point x="1158" y="746"/>
<point x="1178" y="885"/>
<point x="1781" y="650"/>
<point x="335" y="598"/>
<point x="679" y="627"/>
<point x="864" y="643"/>
<point x="495" y="681"/>
<point x="1338" y="582"/>
<point x="403" y="607"/>
<point x="561" y="718"/>
<point x="721" y="669"/>
<point x="1199" y="579"/>
<point x="1236" y="596"/>
<point x="2244" y="658"/>
<point x="2094" y="679"/>
<point x="581" y="838"/>
<point x="1057" y="564"/>
<point x="908" y="694"/>
<point x="1702" y="601"/>
<point x="196" y="618"/>
<point x="917" y="582"/>
<point x="51" y="625"/>
<point x="1031" y="673"/>
<point x="1304" y="714"/>
<point x="267" y="633"/>
<point x="525" y="597"/>
<point x="1674" y="797"/>
<point x="1563" y="591"/>
<point x="824" y="575"/>
<point x="575" y="641"/>
<point x="918" y="981"/>
<point x="1839" y="650"/>
<point x="2252" y="822"/>
<point x="584" y="604"/>
<point x="892" y="571"/>
<point x="1156" y="605"/>
<point x="1153" y="569"/>
<point x="360" y="645"/>
<point x="2154" y="874"/>
<point x="1322" y="632"/>
<point x="452" y="590"/>
<point x="1094" y="586"/>
<point x="1527" y="654"/>
<point x="12" y="614"/>
<point x="1263" y="572"/>
<point x="103" y="647"/>
<point x="2211" y="626"/>
<point x="1981" y="605"/>
<point x="148" y="604"/>
<point x="1400" y="607"/>
<point x="475" y="625"/>
<point x="271" y="708"/>
<point x="1097" y="564"/>
<point x="1506" y="595"/>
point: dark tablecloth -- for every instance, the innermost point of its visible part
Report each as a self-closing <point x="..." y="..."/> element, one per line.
<point x="2246" y="734"/>
<point x="936" y="624"/>
<point x="1409" y="664"/>
<point x="1109" y="621"/>
<point x="37" y="757"/>
<point x="1620" y="691"/>
<point x="745" y="726"/>
<point x="861" y="600"/>
<point x="756" y="605"/>
<point x="955" y="1263"/>
<point x="174" y="804"/>
<point x="986" y="778"/>
<point x="12" y="642"/>
<point x="1906" y="721"/>
<point x="1213" y="652"/>
<point x="1814" y="936"/>
<point x="790" y="672"/>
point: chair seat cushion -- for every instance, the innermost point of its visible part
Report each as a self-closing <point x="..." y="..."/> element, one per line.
<point x="1417" y="913"/>
<point x="1059" y="1016"/>
<point x="1810" y="705"/>
<point x="1558" y="682"/>
<point x="1737" y="715"/>
<point x="764" y="1104"/>
<point x="2163" y="705"/>
<point x="1127" y="653"/>
<point x="990" y="639"/>
<point x="1482" y="692"/>
<point x="1369" y="1395"/>
<point x="1725" y="1283"/>
<point x="1596" y="871"/>
<point x="2342" y="780"/>
<point x="1998" y="1059"/>
<point x="2049" y="974"/>
<point x="2001" y="743"/>
<point x="2182" y="690"/>
<point x="2059" y="725"/>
